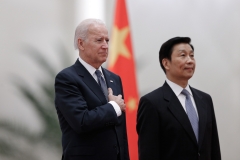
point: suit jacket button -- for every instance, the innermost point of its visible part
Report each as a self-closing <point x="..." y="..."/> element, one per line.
<point x="198" y="154"/>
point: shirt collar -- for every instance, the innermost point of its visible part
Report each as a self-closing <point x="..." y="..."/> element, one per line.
<point x="90" y="68"/>
<point x="176" y="88"/>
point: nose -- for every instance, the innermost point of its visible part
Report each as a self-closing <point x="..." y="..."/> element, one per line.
<point x="190" y="59"/>
<point x="105" y="44"/>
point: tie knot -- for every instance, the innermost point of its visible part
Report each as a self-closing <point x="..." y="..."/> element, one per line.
<point x="185" y="92"/>
<point x="98" y="73"/>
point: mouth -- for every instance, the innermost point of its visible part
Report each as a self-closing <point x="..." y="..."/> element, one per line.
<point x="189" y="69"/>
<point x="103" y="53"/>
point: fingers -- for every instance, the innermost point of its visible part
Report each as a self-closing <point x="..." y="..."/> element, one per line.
<point x="118" y="99"/>
<point x="123" y="108"/>
<point x="120" y="96"/>
<point x="110" y="91"/>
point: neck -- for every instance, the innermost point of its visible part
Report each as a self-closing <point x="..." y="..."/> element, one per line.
<point x="181" y="82"/>
<point x="95" y="65"/>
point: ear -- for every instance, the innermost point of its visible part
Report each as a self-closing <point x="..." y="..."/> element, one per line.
<point x="81" y="44"/>
<point x="165" y="63"/>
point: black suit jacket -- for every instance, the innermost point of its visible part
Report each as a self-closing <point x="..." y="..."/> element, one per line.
<point x="165" y="132"/>
<point x="90" y="127"/>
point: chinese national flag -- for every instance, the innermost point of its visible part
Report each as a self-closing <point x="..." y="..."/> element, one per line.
<point x="121" y="62"/>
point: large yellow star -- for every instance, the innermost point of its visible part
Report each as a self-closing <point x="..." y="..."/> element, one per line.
<point x="132" y="104"/>
<point x="118" y="46"/>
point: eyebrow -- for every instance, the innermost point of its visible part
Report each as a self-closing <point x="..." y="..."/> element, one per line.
<point x="102" y="37"/>
<point x="183" y="50"/>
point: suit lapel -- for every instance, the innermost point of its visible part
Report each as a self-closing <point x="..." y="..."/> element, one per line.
<point x="177" y="110"/>
<point x="202" y="114"/>
<point x="89" y="81"/>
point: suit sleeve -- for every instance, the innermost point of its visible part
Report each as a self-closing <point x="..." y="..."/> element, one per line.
<point x="216" y="153"/>
<point x="148" y="131"/>
<point x="73" y="107"/>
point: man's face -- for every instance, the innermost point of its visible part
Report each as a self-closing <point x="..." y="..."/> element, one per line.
<point x="182" y="64"/>
<point x="94" y="49"/>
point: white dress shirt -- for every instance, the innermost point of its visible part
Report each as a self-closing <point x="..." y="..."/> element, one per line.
<point x="181" y="97"/>
<point x="92" y="70"/>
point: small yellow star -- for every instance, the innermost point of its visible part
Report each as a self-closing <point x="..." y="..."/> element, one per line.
<point x="118" y="46"/>
<point x="132" y="104"/>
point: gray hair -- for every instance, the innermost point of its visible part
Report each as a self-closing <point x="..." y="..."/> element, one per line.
<point x="82" y="29"/>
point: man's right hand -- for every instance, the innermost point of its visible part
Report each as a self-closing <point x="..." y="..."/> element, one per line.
<point x="118" y="99"/>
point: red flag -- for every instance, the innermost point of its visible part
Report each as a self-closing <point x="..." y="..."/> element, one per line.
<point x="121" y="62"/>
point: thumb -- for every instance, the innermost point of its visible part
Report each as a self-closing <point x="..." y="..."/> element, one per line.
<point x="110" y="91"/>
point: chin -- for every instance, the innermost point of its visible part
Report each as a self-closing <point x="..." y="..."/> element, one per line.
<point x="189" y="76"/>
<point x="103" y="60"/>
<point x="104" y="57"/>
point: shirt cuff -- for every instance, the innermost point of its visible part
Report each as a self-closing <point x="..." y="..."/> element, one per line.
<point x="116" y="108"/>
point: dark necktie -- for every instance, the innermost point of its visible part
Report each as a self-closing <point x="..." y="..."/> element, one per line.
<point x="102" y="83"/>
<point x="191" y="112"/>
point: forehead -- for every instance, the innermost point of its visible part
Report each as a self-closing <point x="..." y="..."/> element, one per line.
<point x="97" y="30"/>
<point x="182" y="47"/>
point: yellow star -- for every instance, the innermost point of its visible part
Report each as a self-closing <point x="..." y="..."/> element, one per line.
<point x="118" y="46"/>
<point x="132" y="104"/>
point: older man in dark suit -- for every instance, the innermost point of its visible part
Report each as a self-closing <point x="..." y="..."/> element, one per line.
<point x="177" y="121"/>
<point x="89" y="101"/>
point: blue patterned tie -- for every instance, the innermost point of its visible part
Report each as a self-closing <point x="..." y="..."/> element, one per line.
<point x="102" y="83"/>
<point x="191" y="112"/>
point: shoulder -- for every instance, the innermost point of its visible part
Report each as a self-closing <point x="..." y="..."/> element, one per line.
<point x="110" y="75"/>
<point x="73" y="70"/>
<point x="199" y="92"/>
<point x="106" y="71"/>
<point x="205" y="97"/>
<point x="153" y="95"/>
<point x="66" y="72"/>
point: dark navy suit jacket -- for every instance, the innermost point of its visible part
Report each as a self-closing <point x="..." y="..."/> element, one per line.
<point x="165" y="132"/>
<point x="90" y="127"/>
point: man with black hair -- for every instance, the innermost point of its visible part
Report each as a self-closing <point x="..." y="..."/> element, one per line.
<point x="177" y="121"/>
